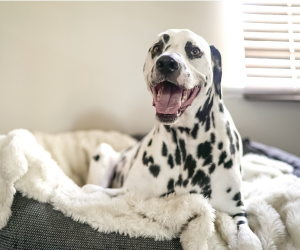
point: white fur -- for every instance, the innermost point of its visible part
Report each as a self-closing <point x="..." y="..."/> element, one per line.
<point x="272" y="202"/>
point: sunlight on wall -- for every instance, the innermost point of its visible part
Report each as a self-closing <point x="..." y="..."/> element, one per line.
<point x="234" y="70"/>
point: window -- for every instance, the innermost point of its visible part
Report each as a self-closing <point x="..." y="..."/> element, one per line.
<point x="272" y="49"/>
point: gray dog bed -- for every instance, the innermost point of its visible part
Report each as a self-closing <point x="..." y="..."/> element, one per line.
<point x="36" y="225"/>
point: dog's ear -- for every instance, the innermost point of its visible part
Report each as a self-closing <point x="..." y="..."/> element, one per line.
<point x="217" y="69"/>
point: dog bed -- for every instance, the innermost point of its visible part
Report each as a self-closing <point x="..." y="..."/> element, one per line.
<point x="40" y="180"/>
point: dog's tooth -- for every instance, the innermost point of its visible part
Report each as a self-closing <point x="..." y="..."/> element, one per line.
<point x="159" y="94"/>
<point x="184" y="96"/>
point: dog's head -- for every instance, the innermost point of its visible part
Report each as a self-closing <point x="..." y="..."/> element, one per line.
<point x="179" y="66"/>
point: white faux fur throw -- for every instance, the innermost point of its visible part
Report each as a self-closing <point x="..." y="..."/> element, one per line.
<point x="272" y="195"/>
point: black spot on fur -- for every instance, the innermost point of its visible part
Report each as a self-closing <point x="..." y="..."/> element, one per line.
<point x="166" y="38"/>
<point x="241" y="168"/>
<point x="212" y="138"/>
<point x="220" y="145"/>
<point x="217" y="70"/>
<point x="168" y="128"/>
<point x="212" y="168"/>
<point x="164" y="150"/>
<point x="239" y="223"/>
<point x="174" y="135"/>
<point x="186" y="182"/>
<point x="167" y="47"/>
<point x="236" y="135"/>
<point x="240" y="215"/>
<point x="190" y="164"/>
<point x="179" y="181"/>
<point x="222" y="157"/>
<point x="150" y="142"/>
<point x="96" y="157"/>
<point x="207" y="124"/>
<point x="237" y="196"/>
<point x="195" y="131"/>
<point x="182" y="129"/>
<point x="205" y="84"/>
<point x="193" y="192"/>
<point x="228" y="164"/>
<point x="221" y="108"/>
<point x="204" y="150"/>
<point x="239" y="203"/>
<point x="237" y="145"/>
<point x="204" y="112"/>
<point x="154" y="170"/>
<point x="213" y="119"/>
<point x="146" y="159"/>
<point x="209" y="91"/>
<point x="228" y="131"/>
<point x="232" y="149"/>
<point x="228" y="190"/>
<point x="177" y="156"/>
<point x="208" y="160"/>
<point x="182" y="148"/>
<point x="170" y="185"/>
<point x="170" y="161"/>
<point x="166" y="194"/>
<point x="200" y="179"/>
<point x="206" y="191"/>
<point x="237" y="141"/>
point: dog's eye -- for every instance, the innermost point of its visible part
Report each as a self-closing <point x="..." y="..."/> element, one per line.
<point x="156" y="48"/>
<point x="195" y="51"/>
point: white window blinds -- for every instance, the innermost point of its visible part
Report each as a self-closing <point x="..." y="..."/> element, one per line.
<point x="272" y="46"/>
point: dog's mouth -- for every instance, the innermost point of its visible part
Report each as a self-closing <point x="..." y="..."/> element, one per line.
<point x="171" y="100"/>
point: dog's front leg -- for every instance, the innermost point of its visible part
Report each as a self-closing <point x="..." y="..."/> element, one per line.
<point x="226" y="197"/>
<point x="102" y="165"/>
<point x="246" y="239"/>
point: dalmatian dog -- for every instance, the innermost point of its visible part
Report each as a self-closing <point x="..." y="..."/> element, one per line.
<point x="194" y="146"/>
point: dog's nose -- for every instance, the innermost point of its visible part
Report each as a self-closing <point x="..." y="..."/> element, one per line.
<point x="167" y="64"/>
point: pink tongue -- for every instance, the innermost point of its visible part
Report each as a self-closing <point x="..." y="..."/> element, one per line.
<point x="170" y="99"/>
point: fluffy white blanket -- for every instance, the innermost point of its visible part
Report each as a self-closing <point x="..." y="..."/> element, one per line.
<point x="272" y="195"/>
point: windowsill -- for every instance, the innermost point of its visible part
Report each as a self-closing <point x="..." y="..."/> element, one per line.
<point x="263" y="96"/>
<point x="266" y="89"/>
<point x="272" y="97"/>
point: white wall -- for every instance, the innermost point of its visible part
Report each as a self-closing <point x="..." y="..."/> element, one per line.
<point x="78" y="65"/>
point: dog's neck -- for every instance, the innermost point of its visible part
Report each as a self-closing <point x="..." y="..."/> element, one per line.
<point x="206" y="103"/>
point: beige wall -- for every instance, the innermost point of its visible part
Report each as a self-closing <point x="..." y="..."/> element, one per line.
<point x="78" y="65"/>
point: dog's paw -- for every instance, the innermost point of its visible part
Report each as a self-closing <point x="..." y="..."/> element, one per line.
<point x="247" y="240"/>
